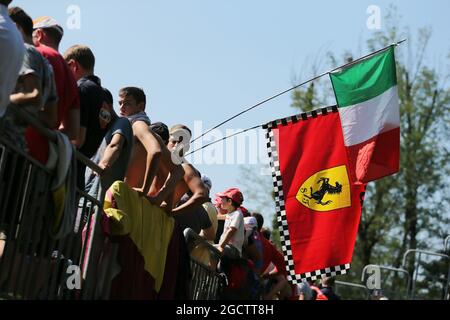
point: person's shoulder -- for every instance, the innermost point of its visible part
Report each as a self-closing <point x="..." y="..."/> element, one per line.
<point x="32" y="54"/>
<point x="237" y="215"/>
<point x="90" y="89"/>
<point x="33" y="59"/>
<point x="123" y="125"/>
<point x="123" y="122"/>
<point x="48" y="52"/>
<point x="190" y="169"/>
<point x="91" y="85"/>
<point x="30" y="49"/>
<point x="141" y="125"/>
<point x="83" y="84"/>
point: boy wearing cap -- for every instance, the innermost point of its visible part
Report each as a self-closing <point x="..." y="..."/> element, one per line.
<point x="232" y="239"/>
<point x="47" y="35"/>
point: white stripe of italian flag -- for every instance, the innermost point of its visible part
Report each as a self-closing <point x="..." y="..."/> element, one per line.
<point x="366" y="94"/>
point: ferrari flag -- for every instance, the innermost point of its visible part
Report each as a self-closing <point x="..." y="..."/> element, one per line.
<point x="318" y="206"/>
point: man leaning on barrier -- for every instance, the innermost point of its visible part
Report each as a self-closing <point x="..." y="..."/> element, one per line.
<point x="149" y="155"/>
<point x="81" y="61"/>
<point x="191" y="182"/>
<point x="114" y="152"/>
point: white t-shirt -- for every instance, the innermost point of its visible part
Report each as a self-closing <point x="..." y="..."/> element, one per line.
<point x="235" y="219"/>
<point x="12" y="50"/>
<point x="212" y="214"/>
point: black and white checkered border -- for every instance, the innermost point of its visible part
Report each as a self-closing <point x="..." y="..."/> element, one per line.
<point x="303" y="116"/>
<point x="321" y="273"/>
<point x="280" y="203"/>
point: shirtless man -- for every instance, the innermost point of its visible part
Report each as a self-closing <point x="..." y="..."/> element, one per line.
<point x="149" y="154"/>
<point x="191" y="180"/>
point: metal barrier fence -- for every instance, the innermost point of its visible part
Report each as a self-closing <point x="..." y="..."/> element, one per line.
<point x="33" y="263"/>
<point x="206" y="282"/>
<point x="447" y="251"/>
<point x="433" y="277"/>
<point x="447" y="245"/>
<point x="354" y="290"/>
<point x="36" y="265"/>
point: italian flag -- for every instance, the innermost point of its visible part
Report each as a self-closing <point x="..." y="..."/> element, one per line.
<point x="367" y="99"/>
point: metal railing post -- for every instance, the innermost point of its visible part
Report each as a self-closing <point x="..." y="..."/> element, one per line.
<point x="353" y="285"/>
<point x="203" y="277"/>
<point x="447" y="244"/>
<point x="33" y="264"/>
<point x="415" y="272"/>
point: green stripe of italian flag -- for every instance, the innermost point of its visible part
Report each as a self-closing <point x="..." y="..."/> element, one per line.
<point x="366" y="94"/>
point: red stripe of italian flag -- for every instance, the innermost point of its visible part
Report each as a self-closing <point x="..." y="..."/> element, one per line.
<point x="366" y="94"/>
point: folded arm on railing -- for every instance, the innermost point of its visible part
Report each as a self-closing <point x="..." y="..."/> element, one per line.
<point x="49" y="134"/>
<point x="193" y="239"/>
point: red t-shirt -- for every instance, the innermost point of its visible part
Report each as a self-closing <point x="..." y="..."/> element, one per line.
<point x="271" y="254"/>
<point x="66" y="86"/>
<point x="68" y="98"/>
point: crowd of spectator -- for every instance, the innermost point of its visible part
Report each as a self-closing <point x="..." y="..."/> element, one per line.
<point x="63" y="92"/>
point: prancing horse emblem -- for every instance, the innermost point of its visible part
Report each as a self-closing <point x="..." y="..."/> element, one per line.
<point x="323" y="189"/>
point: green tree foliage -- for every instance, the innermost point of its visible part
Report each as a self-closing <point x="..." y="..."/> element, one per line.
<point x="255" y="186"/>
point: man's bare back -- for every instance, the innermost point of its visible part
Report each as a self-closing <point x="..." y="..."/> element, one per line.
<point x="136" y="168"/>
<point x="191" y="182"/>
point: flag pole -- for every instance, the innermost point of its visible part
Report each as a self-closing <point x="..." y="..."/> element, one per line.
<point x="297" y="86"/>
<point x="310" y="113"/>
<point x="224" y="138"/>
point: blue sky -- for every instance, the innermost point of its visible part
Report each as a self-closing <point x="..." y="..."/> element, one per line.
<point x="206" y="60"/>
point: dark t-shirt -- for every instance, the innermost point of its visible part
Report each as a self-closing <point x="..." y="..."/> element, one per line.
<point x="196" y="219"/>
<point x="272" y="255"/>
<point x="328" y="292"/>
<point x="91" y="101"/>
<point x="118" y="169"/>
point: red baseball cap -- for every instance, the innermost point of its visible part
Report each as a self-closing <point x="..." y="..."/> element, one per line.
<point x="234" y="194"/>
